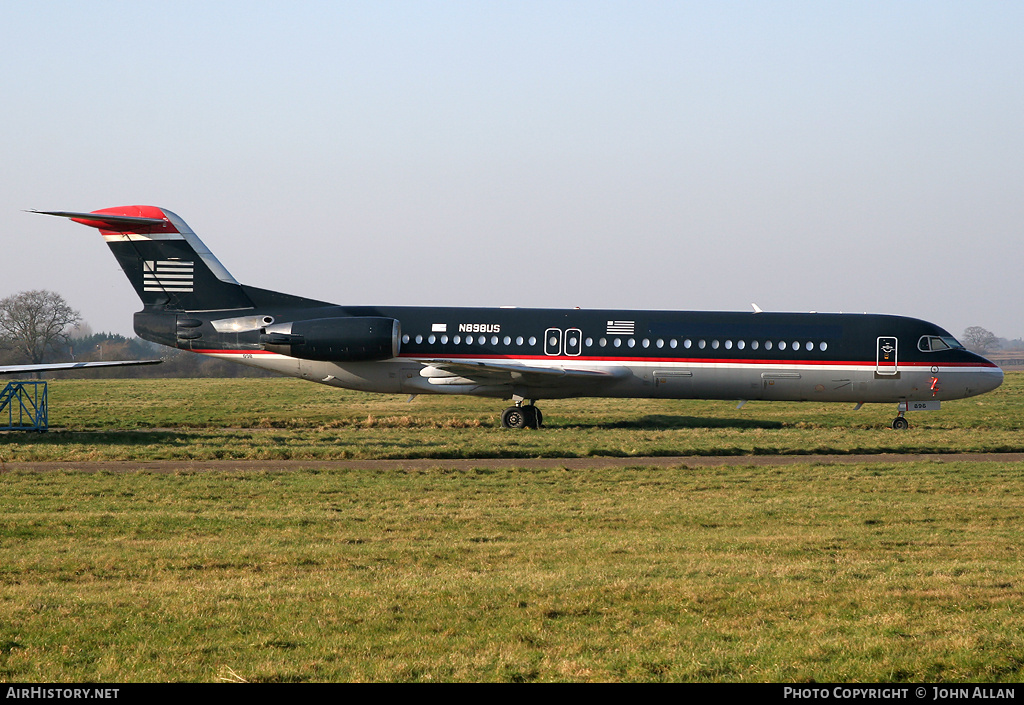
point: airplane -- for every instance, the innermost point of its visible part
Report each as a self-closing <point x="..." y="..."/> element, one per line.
<point x="190" y="301"/>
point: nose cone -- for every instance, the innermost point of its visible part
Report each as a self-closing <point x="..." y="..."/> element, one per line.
<point x="985" y="378"/>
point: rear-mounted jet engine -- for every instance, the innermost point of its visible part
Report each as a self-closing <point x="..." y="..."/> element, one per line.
<point x="351" y="339"/>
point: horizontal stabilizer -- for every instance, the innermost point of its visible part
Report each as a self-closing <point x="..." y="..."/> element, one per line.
<point x="105" y="221"/>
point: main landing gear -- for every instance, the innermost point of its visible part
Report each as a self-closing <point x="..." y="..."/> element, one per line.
<point x="522" y="416"/>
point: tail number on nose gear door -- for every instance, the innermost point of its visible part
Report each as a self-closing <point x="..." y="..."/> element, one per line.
<point x="920" y="406"/>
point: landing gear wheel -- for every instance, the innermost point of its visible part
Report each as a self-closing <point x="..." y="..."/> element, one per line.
<point x="526" y="416"/>
<point x="513" y="417"/>
<point x="900" y="423"/>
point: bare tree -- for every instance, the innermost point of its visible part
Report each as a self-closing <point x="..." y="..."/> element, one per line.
<point x="33" y="323"/>
<point x="978" y="339"/>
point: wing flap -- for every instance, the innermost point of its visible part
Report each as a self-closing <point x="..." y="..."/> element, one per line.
<point x="516" y="373"/>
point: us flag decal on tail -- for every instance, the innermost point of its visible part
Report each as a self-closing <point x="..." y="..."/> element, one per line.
<point x="167" y="275"/>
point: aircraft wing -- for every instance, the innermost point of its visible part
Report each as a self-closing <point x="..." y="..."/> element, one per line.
<point x="517" y="373"/>
<point x="20" y="369"/>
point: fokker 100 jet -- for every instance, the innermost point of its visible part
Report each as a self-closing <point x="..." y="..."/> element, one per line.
<point x="190" y="301"/>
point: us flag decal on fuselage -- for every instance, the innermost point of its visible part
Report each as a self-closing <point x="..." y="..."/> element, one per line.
<point x="621" y="327"/>
<point x="167" y="275"/>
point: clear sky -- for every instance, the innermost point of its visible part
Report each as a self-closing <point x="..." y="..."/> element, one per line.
<point x="828" y="156"/>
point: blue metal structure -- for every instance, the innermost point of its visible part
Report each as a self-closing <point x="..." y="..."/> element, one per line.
<point x="23" y="406"/>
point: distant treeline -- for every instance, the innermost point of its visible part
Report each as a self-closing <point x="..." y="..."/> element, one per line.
<point x="1017" y="344"/>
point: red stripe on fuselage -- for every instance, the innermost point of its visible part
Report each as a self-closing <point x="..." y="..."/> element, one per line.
<point x="688" y="360"/>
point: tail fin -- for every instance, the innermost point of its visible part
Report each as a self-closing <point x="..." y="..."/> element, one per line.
<point x="166" y="262"/>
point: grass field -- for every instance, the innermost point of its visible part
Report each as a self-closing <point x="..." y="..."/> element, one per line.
<point x="206" y="419"/>
<point x="848" y="573"/>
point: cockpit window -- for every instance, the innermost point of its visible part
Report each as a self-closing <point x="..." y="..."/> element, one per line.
<point x="935" y="343"/>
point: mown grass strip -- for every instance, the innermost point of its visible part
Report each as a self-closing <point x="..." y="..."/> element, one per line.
<point x="208" y="419"/>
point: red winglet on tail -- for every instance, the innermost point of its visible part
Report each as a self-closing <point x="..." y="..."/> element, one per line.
<point x="123" y="219"/>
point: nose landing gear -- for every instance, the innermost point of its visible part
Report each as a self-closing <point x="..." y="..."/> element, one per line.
<point x="900" y="422"/>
